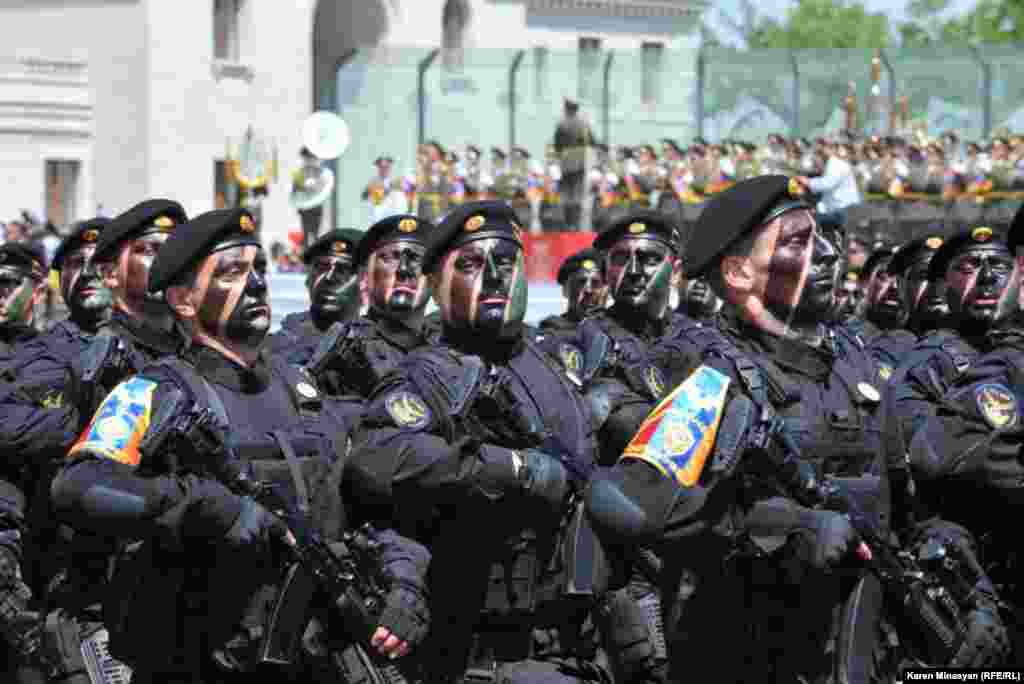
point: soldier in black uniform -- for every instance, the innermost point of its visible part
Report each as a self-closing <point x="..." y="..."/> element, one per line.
<point x="760" y="248"/>
<point x="140" y="328"/>
<point x="881" y="329"/>
<point x="848" y="298"/>
<point x="923" y="299"/>
<point x="478" y="442"/>
<point x="956" y="419"/>
<point x="333" y="286"/>
<point x="354" y="356"/>
<point x="696" y="299"/>
<point x="979" y="275"/>
<point x="22" y="287"/>
<point x="189" y="605"/>
<point x="584" y="290"/>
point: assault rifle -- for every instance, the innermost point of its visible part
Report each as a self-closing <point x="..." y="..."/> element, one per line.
<point x="348" y="571"/>
<point x="934" y="586"/>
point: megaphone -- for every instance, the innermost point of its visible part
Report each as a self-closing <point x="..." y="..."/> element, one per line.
<point x="326" y="135"/>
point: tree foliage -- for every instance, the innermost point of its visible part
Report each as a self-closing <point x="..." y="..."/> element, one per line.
<point x="823" y="24"/>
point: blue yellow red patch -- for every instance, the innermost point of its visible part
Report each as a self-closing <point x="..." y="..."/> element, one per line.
<point x="677" y="437"/>
<point x="997" y="404"/>
<point x="120" y="423"/>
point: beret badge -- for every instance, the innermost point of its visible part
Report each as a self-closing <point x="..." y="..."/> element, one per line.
<point x="339" y="247"/>
<point x="407" y="225"/>
<point x="588" y="263"/>
<point x="474" y="223"/>
<point x="246" y="224"/>
<point x="982" y="234"/>
<point x="90" y="235"/>
<point x="933" y="242"/>
<point x="165" y="223"/>
<point x="794" y="188"/>
<point x="637" y="228"/>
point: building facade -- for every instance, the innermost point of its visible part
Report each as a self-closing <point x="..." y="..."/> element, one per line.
<point x="106" y="102"/>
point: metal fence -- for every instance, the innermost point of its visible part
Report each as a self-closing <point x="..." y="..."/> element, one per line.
<point x="394" y="99"/>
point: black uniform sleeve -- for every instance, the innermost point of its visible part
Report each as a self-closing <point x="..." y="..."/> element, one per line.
<point x="38" y="418"/>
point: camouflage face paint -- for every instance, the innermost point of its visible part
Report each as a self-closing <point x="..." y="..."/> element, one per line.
<point x="81" y="286"/>
<point x="483" y="286"/>
<point x="640" y="275"/>
<point x="333" y="286"/>
<point x="395" y="280"/>
<point x="586" y="292"/>
<point x="983" y="285"/>
<point x="231" y="289"/>
<point x="16" y="291"/>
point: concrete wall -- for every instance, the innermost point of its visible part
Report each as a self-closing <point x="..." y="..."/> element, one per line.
<point x="90" y="112"/>
<point x="193" y="114"/>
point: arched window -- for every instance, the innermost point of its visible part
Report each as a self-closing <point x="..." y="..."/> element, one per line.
<point x="454" y="20"/>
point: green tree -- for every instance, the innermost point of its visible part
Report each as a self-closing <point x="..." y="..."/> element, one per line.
<point x="823" y="24"/>
<point x="990" y="21"/>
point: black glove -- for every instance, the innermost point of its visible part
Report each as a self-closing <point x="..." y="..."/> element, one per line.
<point x="543" y="477"/>
<point x="406" y="613"/>
<point x="826" y="536"/>
<point x="255" y="528"/>
<point x="986" y="643"/>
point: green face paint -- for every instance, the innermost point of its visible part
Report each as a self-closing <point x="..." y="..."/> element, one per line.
<point x="16" y="305"/>
<point x="516" y="310"/>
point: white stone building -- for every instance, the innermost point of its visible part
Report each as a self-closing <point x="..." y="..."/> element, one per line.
<point x="107" y="102"/>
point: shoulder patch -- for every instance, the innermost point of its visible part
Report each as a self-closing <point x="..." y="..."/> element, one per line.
<point x="571" y="357"/>
<point x="997" y="405"/>
<point x="407" y="410"/>
<point x="679" y="435"/>
<point x="884" y="371"/>
<point x="120" y="423"/>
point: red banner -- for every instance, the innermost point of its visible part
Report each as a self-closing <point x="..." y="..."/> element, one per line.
<point x="545" y="252"/>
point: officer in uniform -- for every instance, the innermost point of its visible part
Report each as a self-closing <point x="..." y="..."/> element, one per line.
<point x="696" y="299"/>
<point x="22" y="287"/>
<point x="187" y="606"/>
<point x="923" y="299"/>
<point x="355" y="355"/>
<point x="881" y="329"/>
<point x="760" y="247"/>
<point x="584" y="290"/>
<point x="140" y="328"/>
<point x="640" y="263"/>
<point x="848" y="298"/>
<point x="957" y="425"/>
<point x="981" y="282"/>
<point x="481" y="439"/>
<point x="333" y="286"/>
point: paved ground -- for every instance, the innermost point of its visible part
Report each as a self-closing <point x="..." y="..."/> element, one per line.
<point x="288" y="294"/>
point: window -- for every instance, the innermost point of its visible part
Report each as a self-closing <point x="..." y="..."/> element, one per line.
<point x="651" y="60"/>
<point x="589" y="67"/>
<point x="540" y="71"/>
<point x="62" y="191"/>
<point x="454" y="20"/>
<point x="226" y="14"/>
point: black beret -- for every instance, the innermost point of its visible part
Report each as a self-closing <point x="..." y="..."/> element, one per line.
<point x="23" y="257"/>
<point x="876" y="259"/>
<point x="913" y="251"/>
<point x="471" y="221"/>
<point x="340" y="241"/>
<point x="400" y="226"/>
<point x="733" y="213"/>
<point x="982" y="235"/>
<point x="641" y="224"/>
<point x="196" y="239"/>
<point x="151" y="215"/>
<point x="83" y="233"/>
<point x="585" y="258"/>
